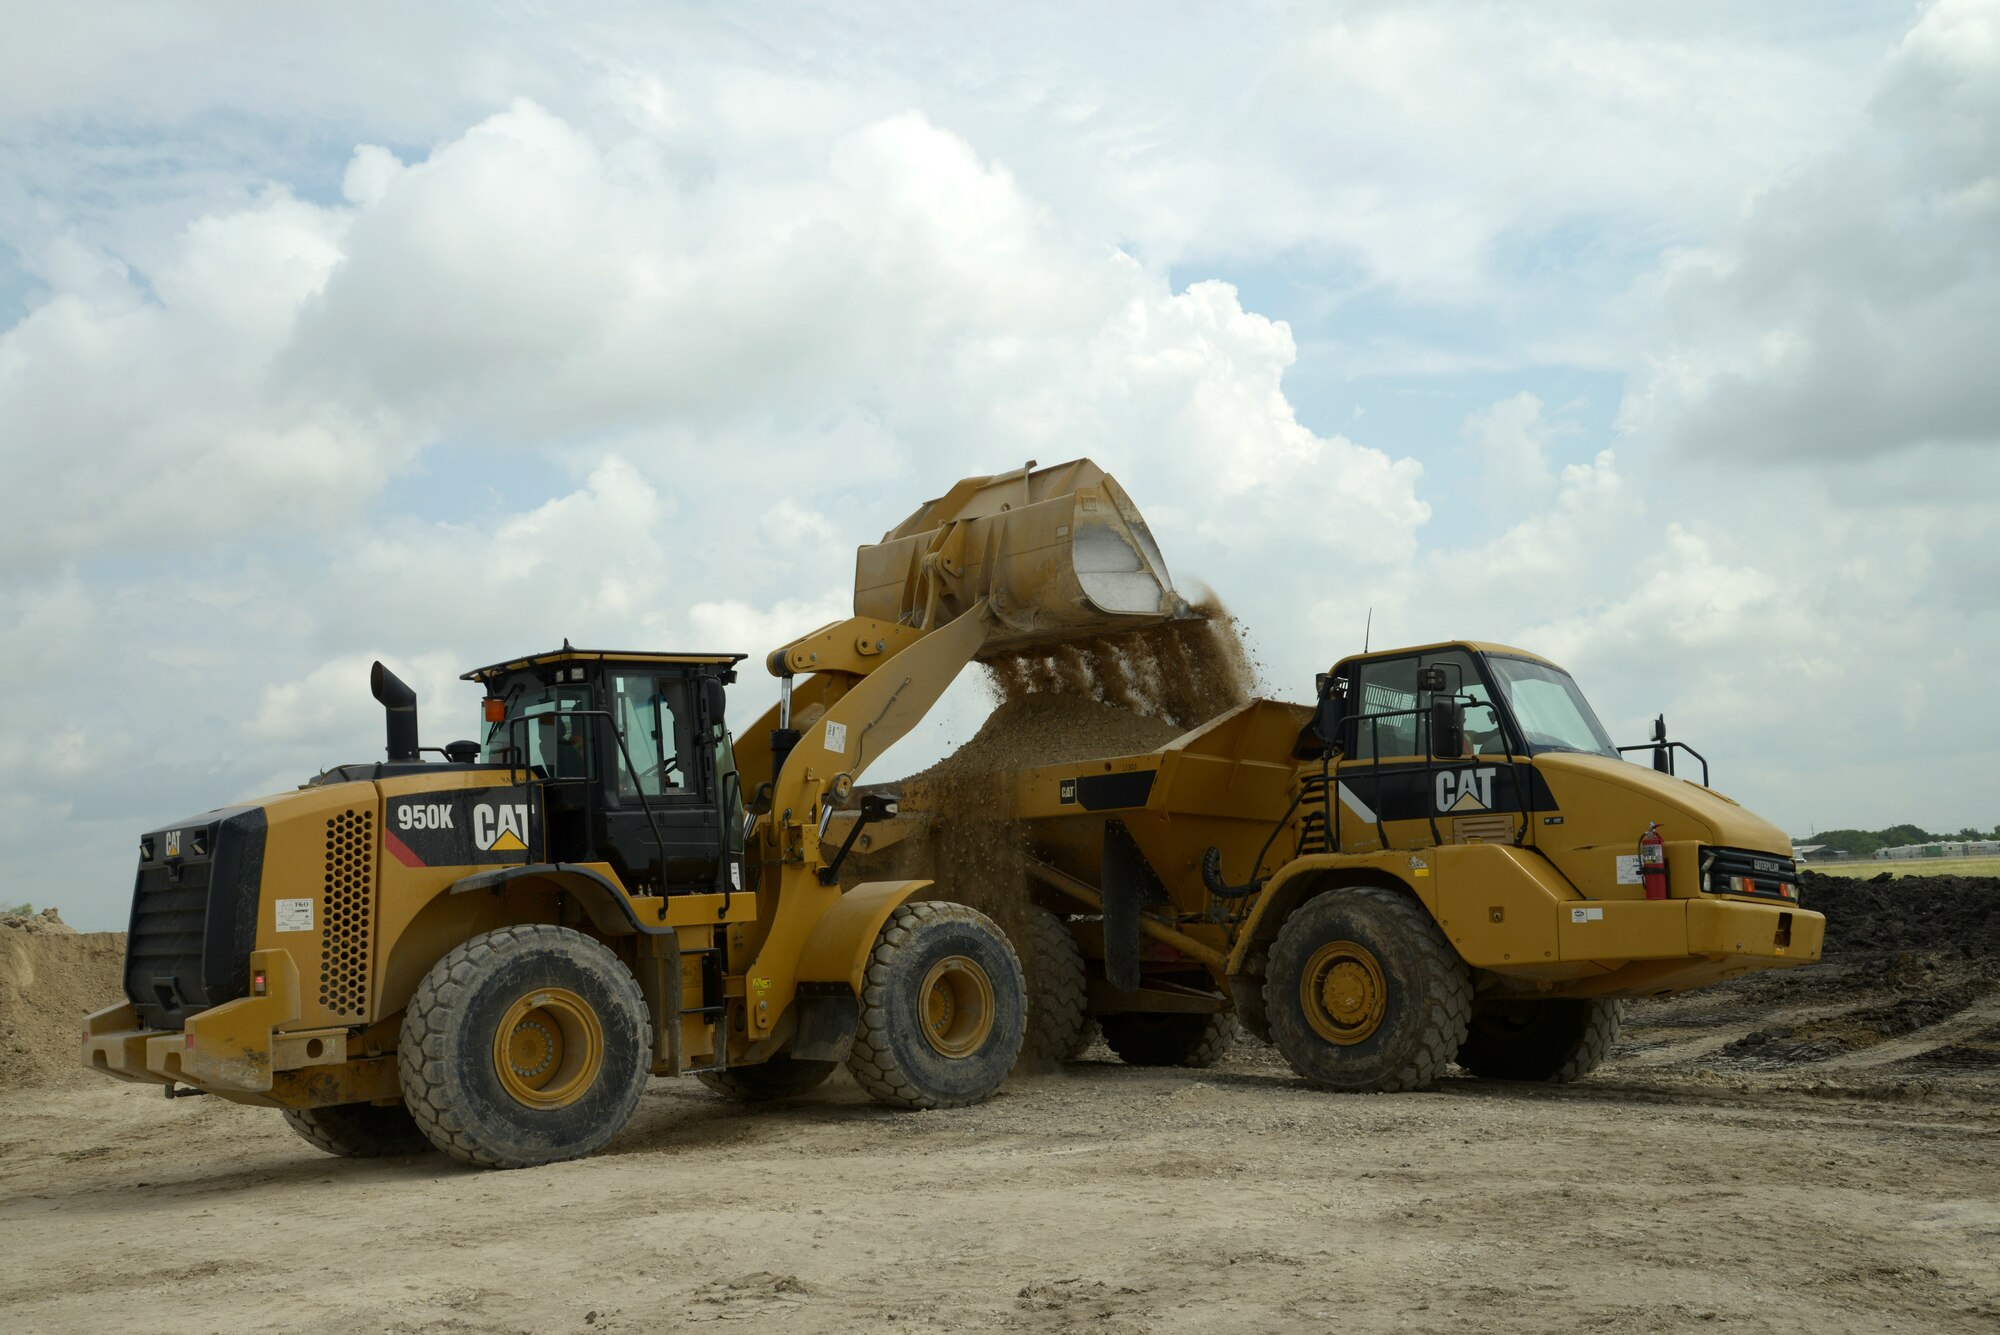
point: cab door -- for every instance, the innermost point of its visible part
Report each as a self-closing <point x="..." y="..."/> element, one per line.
<point x="1393" y="790"/>
<point x="659" y="817"/>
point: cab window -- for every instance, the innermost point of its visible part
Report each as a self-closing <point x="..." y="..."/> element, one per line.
<point x="651" y="714"/>
<point x="1388" y="720"/>
<point x="1384" y="725"/>
<point x="557" y="745"/>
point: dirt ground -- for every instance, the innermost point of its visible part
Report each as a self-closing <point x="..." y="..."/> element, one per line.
<point x="1682" y="1187"/>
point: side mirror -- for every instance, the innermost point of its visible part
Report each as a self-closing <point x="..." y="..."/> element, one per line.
<point x="1663" y="759"/>
<point x="715" y="699"/>
<point x="1326" y="714"/>
<point x="1447" y="727"/>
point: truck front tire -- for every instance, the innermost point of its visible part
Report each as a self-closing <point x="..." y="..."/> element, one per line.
<point x="525" y="1046"/>
<point x="1365" y="994"/>
<point x="1554" y="1040"/>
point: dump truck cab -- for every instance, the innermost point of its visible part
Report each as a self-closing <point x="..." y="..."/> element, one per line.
<point x="1468" y="743"/>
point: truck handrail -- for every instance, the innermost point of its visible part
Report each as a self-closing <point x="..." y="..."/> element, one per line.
<point x="1669" y="748"/>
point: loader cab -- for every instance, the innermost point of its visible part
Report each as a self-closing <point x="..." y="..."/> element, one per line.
<point x="633" y="758"/>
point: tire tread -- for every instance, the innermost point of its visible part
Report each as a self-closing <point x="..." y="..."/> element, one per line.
<point x="433" y="1010"/>
<point x="1447" y="1003"/>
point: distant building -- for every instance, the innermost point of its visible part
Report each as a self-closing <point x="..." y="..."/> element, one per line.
<point x="1943" y="848"/>
<point x="1819" y="853"/>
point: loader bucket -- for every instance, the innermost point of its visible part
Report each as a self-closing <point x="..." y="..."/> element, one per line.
<point x="1060" y="553"/>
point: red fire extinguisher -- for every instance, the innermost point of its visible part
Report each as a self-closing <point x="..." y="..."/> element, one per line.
<point x="1653" y="862"/>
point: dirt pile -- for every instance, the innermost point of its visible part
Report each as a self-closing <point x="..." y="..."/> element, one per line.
<point x="1047" y="730"/>
<point x="48" y="920"/>
<point x="1940" y="915"/>
<point x="1908" y="989"/>
<point x="50" y="977"/>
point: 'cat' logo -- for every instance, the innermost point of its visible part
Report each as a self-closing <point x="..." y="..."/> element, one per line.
<point x="1465" y="789"/>
<point x="502" y="828"/>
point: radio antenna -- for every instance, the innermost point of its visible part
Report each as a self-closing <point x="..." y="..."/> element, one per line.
<point x="1368" y="631"/>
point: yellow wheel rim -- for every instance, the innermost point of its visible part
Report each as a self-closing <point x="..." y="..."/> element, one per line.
<point x="955" y="1006"/>
<point x="1342" y="992"/>
<point x="549" y="1048"/>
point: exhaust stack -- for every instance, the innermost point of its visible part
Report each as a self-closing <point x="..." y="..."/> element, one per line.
<point x="399" y="704"/>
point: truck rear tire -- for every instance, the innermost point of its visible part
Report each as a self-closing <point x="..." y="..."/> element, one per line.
<point x="525" y="1046"/>
<point x="1059" y="1024"/>
<point x="360" y="1130"/>
<point x="1555" y="1040"/>
<point x="778" y="1078"/>
<point x="1167" y="1039"/>
<point x="1365" y="994"/>
<point x="943" y="1009"/>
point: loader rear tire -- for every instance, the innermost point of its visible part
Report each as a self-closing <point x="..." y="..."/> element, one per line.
<point x="943" y="1009"/>
<point x="1167" y="1039"/>
<point x="525" y="1046"/>
<point x="360" y="1130"/>
<point x="1365" y="995"/>
<point x="1556" y="1040"/>
<point x="778" y="1078"/>
<point x="1059" y="1023"/>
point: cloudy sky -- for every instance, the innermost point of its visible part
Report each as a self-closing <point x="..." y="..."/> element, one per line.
<point x="1659" y="339"/>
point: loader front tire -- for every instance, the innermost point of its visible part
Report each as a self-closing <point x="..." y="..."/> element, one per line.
<point x="778" y="1078"/>
<point x="525" y="1046"/>
<point x="1059" y="1024"/>
<point x="1364" y="992"/>
<point x="1556" y="1040"/>
<point x="1169" y="1039"/>
<point x="943" y="1009"/>
<point x="360" y="1130"/>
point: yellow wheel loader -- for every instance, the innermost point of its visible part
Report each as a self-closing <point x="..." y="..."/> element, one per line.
<point x="492" y="951"/>
<point x="1445" y="860"/>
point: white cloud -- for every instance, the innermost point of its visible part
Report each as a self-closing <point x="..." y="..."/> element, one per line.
<point x="165" y="385"/>
<point x="1852" y="310"/>
<point x="1510" y="440"/>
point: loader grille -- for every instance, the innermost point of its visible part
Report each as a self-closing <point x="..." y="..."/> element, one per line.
<point x="194" y="915"/>
<point x="347" y="907"/>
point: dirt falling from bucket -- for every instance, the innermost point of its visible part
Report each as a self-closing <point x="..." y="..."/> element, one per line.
<point x="1182" y="672"/>
<point x="1111" y="695"/>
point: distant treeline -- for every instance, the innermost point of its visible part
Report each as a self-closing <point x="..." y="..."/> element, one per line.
<point x="1863" y="842"/>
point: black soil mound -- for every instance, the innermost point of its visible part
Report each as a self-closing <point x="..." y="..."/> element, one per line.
<point x="1925" y="915"/>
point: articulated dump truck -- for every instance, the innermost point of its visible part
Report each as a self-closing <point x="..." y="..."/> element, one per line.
<point x="1445" y="859"/>
<point x="491" y="952"/>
